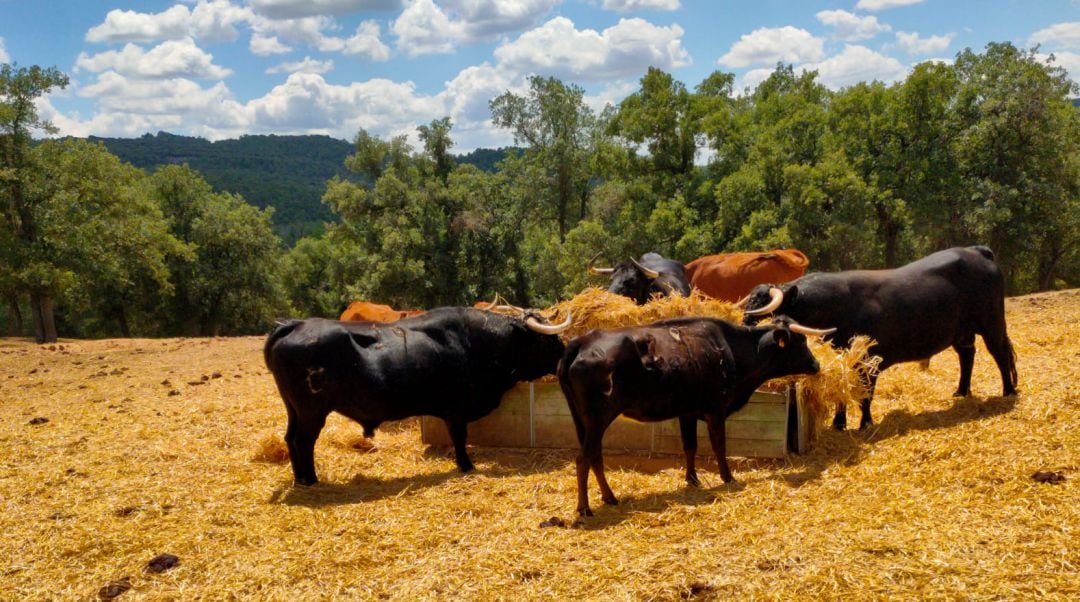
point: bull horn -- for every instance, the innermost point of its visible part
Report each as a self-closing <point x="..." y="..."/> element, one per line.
<point x="741" y="303"/>
<point x="652" y="274"/>
<point x="535" y="325"/>
<point x="777" y="297"/>
<point x="598" y="271"/>
<point x="810" y="332"/>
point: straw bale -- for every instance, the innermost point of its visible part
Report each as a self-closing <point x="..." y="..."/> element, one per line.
<point x="935" y="501"/>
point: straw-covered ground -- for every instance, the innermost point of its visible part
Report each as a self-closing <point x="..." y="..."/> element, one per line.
<point x="153" y="446"/>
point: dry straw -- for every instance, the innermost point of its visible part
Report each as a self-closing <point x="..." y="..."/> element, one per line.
<point x="935" y="501"/>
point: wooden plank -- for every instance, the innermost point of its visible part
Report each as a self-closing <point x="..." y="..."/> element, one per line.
<point x="541" y="418"/>
<point x="549" y="400"/>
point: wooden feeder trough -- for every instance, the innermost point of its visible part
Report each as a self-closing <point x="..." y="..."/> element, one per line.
<point x="535" y="415"/>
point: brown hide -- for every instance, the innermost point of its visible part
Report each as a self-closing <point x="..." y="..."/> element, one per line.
<point x="731" y="276"/>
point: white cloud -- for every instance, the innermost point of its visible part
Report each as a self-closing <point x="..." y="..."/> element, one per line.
<point x="623" y="6"/>
<point x="849" y="27"/>
<point x="611" y="94"/>
<point x="308" y="65"/>
<point x="4" y="58"/>
<point x="365" y="42"/>
<point x="913" y="44"/>
<point x="215" y="20"/>
<point x="173" y="58"/>
<point x="857" y="64"/>
<point x="1059" y="35"/>
<point x="750" y="80"/>
<point x="770" y="45"/>
<point x="426" y="28"/>
<point x="291" y="9"/>
<point x="1070" y="61"/>
<point x="131" y="26"/>
<point x="265" y="45"/>
<point x="423" y="28"/>
<point x="625" y="49"/>
<point x="884" y="4"/>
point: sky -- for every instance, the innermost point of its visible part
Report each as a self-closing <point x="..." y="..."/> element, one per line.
<point x="225" y="68"/>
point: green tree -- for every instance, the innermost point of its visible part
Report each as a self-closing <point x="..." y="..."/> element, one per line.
<point x="557" y="125"/>
<point x="437" y="144"/>
<point x="29" y="274"/>
<point x="230" y="284"/>
<point x="1016" y="149"/>
<point x="108" y="236"/>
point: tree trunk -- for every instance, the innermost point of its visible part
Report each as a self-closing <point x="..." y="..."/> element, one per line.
<point x="15" y="320"/>
<point x="41" y="308"/>
<point x="121" y="319"/>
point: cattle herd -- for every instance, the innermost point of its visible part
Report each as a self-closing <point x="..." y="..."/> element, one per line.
<point x="377" y="364"/>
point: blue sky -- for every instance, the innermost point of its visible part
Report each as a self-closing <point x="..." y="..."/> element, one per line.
<point x="224" y="68"/>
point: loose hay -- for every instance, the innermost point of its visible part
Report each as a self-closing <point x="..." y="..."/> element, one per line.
<point x="936" y="501"/>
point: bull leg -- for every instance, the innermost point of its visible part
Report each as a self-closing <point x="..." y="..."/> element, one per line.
<point x="719" y="444"/>
<point x="592" y="456"/>
<point x="866" y="419"/>
<point x="459" y="430"/>
<point x="839" y="421"/>
<point x="688" y="430"/>
<point x="1002" y="352"/>
<point x="594" y="452"/>
<point x="965" y="349"/>
<point x="300" y="436"/>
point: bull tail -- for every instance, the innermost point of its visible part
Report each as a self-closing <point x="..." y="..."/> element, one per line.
<point x="283" y="329"/>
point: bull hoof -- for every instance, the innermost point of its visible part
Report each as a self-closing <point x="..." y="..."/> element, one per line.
<point x="466" y="466"/>
<point x="585" y="511"/>
<point x="611" y="501"/>
<point x="305" y="482"/>
<point x="839" y="423"/>
<point x="865" y="425"/>
<point x="1010" y="392"/>
<point x="692" y="480"/>
<point x="959" y="393"/>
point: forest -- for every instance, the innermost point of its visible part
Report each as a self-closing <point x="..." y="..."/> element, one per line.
<point x="983" y="150"/>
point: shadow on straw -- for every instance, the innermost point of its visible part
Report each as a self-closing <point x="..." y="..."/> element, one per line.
<point x="358" y="489"/>
<point x="847" y="447"/>
<point x="629" y="506"/>
<point x="898" y="423"/>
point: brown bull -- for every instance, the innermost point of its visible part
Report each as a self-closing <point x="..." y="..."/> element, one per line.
<point x="375" y="312"/>
<point x="731" y="276"/>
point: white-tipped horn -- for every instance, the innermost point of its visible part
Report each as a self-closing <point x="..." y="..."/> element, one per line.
<point x="652" y="274"/>
<point x="536" y="326"/>
<point x="598" y="271"/>
<point x="810" y="332"/>
<point x="777" y="297"/>
<point x="741" y="303"/>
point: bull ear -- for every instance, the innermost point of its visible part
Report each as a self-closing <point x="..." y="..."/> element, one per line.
<point x="779" y="337"/>
<point x="791" y="292"/>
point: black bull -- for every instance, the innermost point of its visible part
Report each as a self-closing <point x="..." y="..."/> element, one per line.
<point x="912" y="312"/>
<point x="688" y="368"/>
<point x="640" y="279"/>
<point x="453" y="363"/>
